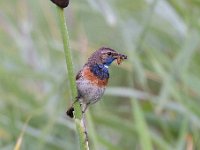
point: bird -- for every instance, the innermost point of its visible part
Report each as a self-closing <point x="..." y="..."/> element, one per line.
<point x="93" y="78"/>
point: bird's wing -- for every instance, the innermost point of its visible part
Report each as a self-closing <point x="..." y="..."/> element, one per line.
<point x="79" y="74"/>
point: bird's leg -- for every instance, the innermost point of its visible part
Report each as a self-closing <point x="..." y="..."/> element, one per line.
<point x="76" y="99"/>
<point x="84" y="108"/>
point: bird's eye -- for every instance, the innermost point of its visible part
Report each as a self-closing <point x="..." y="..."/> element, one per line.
<point x="109" y="53"/>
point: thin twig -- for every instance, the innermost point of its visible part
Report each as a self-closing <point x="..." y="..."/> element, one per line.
<point x="80" y="126"/>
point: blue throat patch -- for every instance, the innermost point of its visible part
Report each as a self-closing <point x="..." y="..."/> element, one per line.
<point x="109" y="61"/>
<point x="100" y="70"/>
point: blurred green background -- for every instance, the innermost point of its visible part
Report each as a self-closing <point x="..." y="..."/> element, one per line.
<point x="153" y="98"/>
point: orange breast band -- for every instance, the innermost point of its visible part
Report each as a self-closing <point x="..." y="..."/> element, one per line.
<point x="87" y="74"/>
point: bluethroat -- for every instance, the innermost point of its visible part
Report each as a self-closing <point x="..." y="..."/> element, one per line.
<point x="92" y="79"/>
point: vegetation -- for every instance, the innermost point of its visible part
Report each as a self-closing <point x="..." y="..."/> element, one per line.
<point x="153" y="98"/>
<point x="79" y="117"/>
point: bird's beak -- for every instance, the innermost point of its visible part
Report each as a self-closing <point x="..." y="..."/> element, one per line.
<point x="119" y="57"/>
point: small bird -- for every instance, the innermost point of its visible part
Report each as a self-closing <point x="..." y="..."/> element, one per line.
<point x="92" y="79"/>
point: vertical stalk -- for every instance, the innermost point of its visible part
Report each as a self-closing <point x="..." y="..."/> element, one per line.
<point x="77" y="109"/>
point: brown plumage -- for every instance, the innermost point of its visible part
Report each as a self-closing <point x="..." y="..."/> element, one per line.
<point x="92" y="79"/>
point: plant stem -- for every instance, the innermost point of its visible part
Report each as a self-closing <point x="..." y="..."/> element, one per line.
<point x="77" y="109"/>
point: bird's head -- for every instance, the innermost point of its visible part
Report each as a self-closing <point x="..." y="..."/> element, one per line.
<point x="106" y="56"/>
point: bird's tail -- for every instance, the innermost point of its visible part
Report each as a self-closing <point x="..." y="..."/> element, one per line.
<point x="70" y="112"/>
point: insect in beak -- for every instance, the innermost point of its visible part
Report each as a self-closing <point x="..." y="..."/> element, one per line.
<point x="120" y="58"/>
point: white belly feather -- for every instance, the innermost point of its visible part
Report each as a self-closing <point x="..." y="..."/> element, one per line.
<point x="89" y="92"/>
